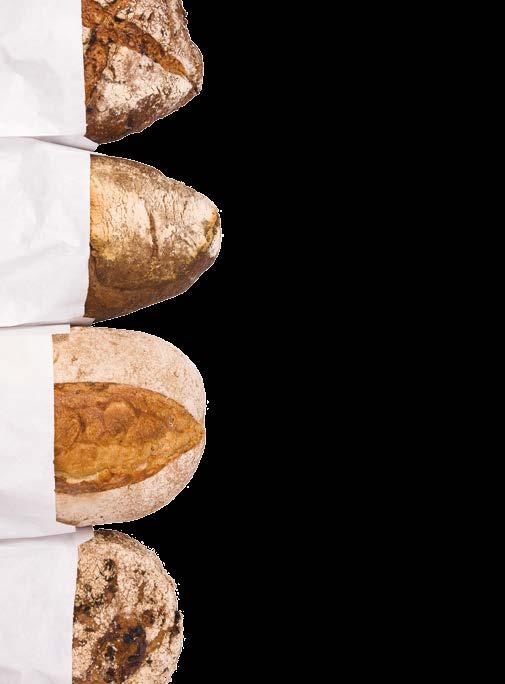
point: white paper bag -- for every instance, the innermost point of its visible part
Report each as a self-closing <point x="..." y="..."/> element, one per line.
<point x="41" y="68"/>
<point x="27" y="485"/>
<point x="44" y="232"/>
<point x="37" y="595"/>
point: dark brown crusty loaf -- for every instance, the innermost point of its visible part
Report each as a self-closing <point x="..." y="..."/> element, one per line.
<point x="139" y="64"/>
<point x="127" y="626"/>
<point x="151" y="237"/>
<point x="129" y="424"/>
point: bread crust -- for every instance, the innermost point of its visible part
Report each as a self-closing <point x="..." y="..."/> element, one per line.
<point x="109" y="435"/>
<point x="134" y="501"/>
<point x="104" y="355"/>
<point x="140" y="64"/>
<point x="151" y="237"/>
<point x="127" y="626"/>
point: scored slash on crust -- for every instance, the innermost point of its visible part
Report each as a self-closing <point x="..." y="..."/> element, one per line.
<point x="107" y="29"/>
<point x="125" y="358"/>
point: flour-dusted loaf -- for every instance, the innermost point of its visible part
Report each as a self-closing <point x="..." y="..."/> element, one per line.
<point x="151" y="237"/>
<point x="140" y="64"/>
<point x="127" y="626"/>
<point x="129" y="424"/>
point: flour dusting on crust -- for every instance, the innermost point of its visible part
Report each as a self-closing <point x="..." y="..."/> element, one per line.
<point x="140" y="64"/>
<point x="127" y="626"/>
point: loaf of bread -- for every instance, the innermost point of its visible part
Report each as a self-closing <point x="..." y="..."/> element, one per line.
<point x="127" y="626"/>
<point x="129" y="424"/>
<point x="139" y="64"/>
<point x="151" y="237"/>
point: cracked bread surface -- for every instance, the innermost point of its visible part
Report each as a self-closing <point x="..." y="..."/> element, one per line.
<point x="112" y="386"/>
<point x="127" y="625"/>
<point x="140" y="64"/>
<point x="151" y="237"/>
<point x="110" y="435"/>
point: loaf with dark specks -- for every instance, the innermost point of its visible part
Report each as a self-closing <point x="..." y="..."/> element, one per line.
<point x="140" y="64"/>
<point x="127" y="626"/>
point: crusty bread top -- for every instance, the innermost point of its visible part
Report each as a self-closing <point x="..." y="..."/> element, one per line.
<point x="107" y="355"/>
<point x="126" y="405"/>
<point x="151" y="237"/>
<point x="110" y="435"/>
<point x="127" y="627"/>
<point x="139" y="62"/>
<point x="145" y="227"/>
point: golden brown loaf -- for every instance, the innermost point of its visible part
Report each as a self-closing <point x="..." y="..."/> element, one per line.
<point x="151" y="237"/>
<point x="116" y="435"/>
<point x="129" y="424"/>
<point x="139" y="64"/>
<point x="127" y="626"/>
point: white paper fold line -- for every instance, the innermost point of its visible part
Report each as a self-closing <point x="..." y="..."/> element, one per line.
<point x="76" y="141"/>
<point x="34" y="330"/>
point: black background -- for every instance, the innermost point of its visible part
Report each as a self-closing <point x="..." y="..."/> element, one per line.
<point x="193" y="535"/>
